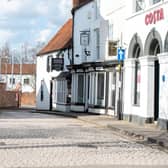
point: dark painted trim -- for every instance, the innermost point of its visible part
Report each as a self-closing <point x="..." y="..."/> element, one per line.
<point x="77" y="104"/>
<point x="96" y="106"/>
<point x="66" y="104"/>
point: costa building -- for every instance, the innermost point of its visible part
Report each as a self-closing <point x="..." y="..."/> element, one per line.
<point x="146" y="66"/>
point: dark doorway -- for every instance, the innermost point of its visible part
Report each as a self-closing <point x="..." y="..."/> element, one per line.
<point x="51" y="94"/>
<point x="156" y="91"/>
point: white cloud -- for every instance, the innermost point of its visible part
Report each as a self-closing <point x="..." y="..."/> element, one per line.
<point x="29" y="20"/>
<point x="43" y="35"/>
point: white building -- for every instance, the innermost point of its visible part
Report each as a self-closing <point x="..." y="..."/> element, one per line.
<point x="19" y="77"/>
<point x="97" y="32"/>
<point x="146" y="72"/>
<point x="53" y="80"/>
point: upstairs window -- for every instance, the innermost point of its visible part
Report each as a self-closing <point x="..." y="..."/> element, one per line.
<point x="49" y="63"/>
<point x="112" y="48"/>
<point x="97" y="34"/>
<point x="112" y="45"/>
<point x="12" y="81"/>
<point x="27" y="81"/>
<point x="138" y="5"/>
<point x="155" y="1"/>
<point x="97" y="9"/>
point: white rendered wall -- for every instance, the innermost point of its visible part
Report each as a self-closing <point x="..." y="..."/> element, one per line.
<point x="136" y="23"/>
<point x="42" y="74"/>
<point x="163" y="89"/>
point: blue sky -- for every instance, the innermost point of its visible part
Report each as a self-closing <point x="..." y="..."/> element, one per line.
<point x="31" y="21"/>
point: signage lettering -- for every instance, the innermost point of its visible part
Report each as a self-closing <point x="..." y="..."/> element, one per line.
<point x="57" y="64"/>
<point x="154" y="17"/>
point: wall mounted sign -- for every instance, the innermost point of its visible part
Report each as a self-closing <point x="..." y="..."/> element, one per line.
<point x="57" y="64"/>
<point x="84" y="38"/>
<point x="155" y="16"/>
<point x="121" y="54"/>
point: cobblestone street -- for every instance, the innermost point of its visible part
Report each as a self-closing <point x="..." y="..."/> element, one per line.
<point x="40" y="140"/>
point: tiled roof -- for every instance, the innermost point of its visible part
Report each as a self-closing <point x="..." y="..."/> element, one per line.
<point x="27" y="69"/>
<point x="61" y="40"/>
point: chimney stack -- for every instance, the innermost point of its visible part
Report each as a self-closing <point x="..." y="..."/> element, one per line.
<point x="75" y="3"/>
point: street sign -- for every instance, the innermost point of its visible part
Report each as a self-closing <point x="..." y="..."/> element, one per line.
<point x="121" y="54"/>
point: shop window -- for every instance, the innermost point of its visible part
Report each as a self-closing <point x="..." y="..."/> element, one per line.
<point x="137" y="83"/>
<point x="100" y="88"/>
<point x="80" y="88"/>
<point x="136" y="54"/>
<point x="61" y="91"/>
<point x="113" y="91"/>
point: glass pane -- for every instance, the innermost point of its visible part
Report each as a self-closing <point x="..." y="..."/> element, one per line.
<point x="100" y="86"/>
<point x="156" y="1"/>
<point x="80" y="88"/>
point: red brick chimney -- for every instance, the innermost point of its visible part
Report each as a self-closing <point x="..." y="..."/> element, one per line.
<point x="77" y="3"/>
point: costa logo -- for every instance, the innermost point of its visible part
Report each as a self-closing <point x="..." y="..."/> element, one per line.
<point x="154" y="17"/>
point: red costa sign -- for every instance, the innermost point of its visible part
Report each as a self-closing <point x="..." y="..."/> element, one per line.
<point x="154" y="17"/>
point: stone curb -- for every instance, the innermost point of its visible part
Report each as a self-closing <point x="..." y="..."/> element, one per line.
<point x="56" y="113"/>
<point x="149" y="140"/>
<point x="127" y="133"/>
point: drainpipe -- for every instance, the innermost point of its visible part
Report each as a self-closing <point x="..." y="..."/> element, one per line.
<point x="73" y="20"/>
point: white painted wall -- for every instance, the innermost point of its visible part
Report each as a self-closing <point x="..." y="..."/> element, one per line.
<point x="19" y="79"/>
<point x="42" y="74"/>
<point x="163" y="89"/>
<point x="136" y="24"/>
<point x="85" y="19"/>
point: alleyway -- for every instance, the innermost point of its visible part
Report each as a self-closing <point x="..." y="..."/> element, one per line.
<point x="40" y="140"/>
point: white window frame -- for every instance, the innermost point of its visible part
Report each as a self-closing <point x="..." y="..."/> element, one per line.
<point x="97" y="42"/>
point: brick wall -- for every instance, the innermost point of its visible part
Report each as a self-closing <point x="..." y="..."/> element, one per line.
<point x="8" y="98"/>
<point x="28" y="99"/>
